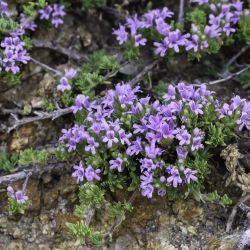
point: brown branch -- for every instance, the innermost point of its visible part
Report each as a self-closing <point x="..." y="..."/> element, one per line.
<point x="119" y="219"/>
<point x="234" y="58"/>
<point x="36" y="171"/>
<point x="229" y="77"/>
<point x="26" y="181"/>
<point x="43" y="116"/>
<point x="141" y="75"/>
<point x="47" y="67"/>
<point x="70" y="53"/>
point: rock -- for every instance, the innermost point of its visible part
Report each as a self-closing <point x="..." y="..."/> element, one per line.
<point x="51" y="199"/>
<point x="187" y="211"/>
<point x="34" y="194"/>
<point x="17" y="233"/>
<point x="44" y="247"/>
<point x="21" y="138"/>
<point x="85" y="35"/>
<point x="227" y="242"/>
<point x="14" y="245"/>
<point x="125" y="242"/>
<point x="37" y="102"/>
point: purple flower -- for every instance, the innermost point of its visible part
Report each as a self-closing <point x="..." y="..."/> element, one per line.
<point x="79" y="172"/>
<point x="21" y="197"/>
<point x="139" y="40"/>
<point x="92" y="145"/>
<point x="147" y="164"/>
<point x="80" y="102"/>
<point x="175" y="39"/>
<point x="193" y="43"/>
<point x="25" y="23"/>
<point x="147" y="190"/>
<point x="197" y="140"/>
<point x="149" y="19"/>
<point x="195" y="108"/>
<point x="171" y="93"/>
<point x="45" y="13"/>
<point x="228" y="29"/>
<point x="183" y="136"/>
<point x="110" y="138"/>
<point x="124" y="138"/>
<point x="161" y="192"/>
<point x="135" y="148"/>
<point x="182" y="154"/>
<point x="185" y="91"/>
<point x="162" y="27"/>
<point x="175" y="178"/>
<point x="70" y="73"/>
<point x="116" y="164"/>
<point x="146" y="186"/>
<point x="190" y="175"/>
<point x="212" y="31"/>
<point x="92" y="174"/>
<point x="226" y="110"/>
<point x="164" y="13"/>
<point x="140" y="128"/>
<point x="152" y="151"/>
<point x="64" y="85"/>
<point x="161" y="48"/>
<point x="201" y="2"/>
<point x="168" y="131"/>
<point x="244" y="120"/>
<point x="58" y="13"/>
<point x="11" y="192"/>
<point x="134" y="24"/>
<point x="96" y="127"/>
<point x="4" y="8"/>
<point x="121" y="34"/>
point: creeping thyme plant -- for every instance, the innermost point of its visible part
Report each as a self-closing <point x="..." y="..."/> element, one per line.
<point x="126" y="140"/>
<point x="211" y="24"/>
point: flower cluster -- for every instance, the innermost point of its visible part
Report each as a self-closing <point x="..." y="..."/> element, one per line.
<point x="221" y="21"/>
<point x="3" y="9"/>
<point x="55" y="12"/>
<point x="13" y="53"/>
<point x="150" y="145"/>
<point x="64" y="81"/>
<point x="18" y="196"/>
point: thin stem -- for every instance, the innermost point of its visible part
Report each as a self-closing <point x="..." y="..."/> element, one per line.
<point x="47" y="67"/>
<point x="235" y="57"/>
<point x="229" y="77"/>
<point x="26" y="181"/>
<point x="181" y="12"/>
<point x="118" y="220"/>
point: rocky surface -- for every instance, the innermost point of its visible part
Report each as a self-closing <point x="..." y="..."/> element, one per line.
<point x="153" y="224"/>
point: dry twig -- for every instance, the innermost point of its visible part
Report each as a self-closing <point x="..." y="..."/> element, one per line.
<point x="70" y="53"/>
<point x="234" y="58"/>
<point x="118" y="220"/>
<point x="36" y="171"/>
<point x="227" y="78"/>
<point x="46" y="67"/>
<point x="43" y="116"/>
<point x="140" y="76"/>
